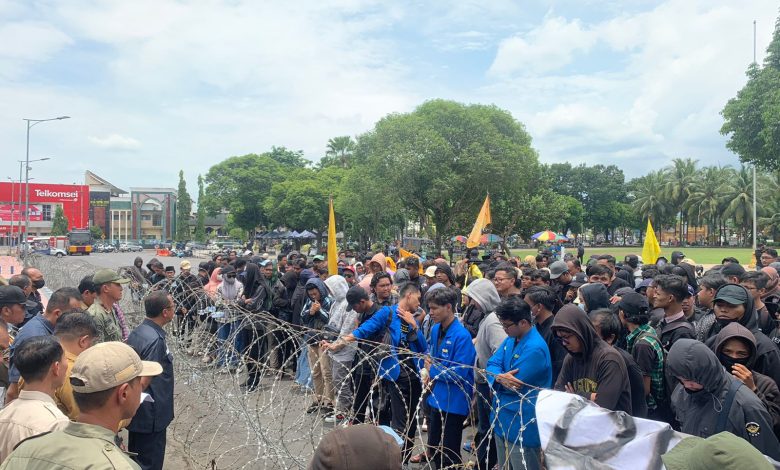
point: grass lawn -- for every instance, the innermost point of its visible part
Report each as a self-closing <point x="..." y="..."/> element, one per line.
<point x="699" y="255"/>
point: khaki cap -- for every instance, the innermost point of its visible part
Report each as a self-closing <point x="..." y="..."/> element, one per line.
<point x="103" y="276"/>
<point x="185" y="265"/>
<point x="431" y="271"/>
<point x="108" y="365"/>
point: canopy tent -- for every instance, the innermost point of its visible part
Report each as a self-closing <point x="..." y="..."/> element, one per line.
<point x="307" y="234"/>
<point x="458" y="239"/>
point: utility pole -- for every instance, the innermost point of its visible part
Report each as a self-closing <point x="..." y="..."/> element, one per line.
<point x="755" y="201"/>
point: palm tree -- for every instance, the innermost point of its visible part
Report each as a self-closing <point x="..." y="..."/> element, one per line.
<point x="769" y="204"/>
<point x="680" y="178"/>
<point x="705" y="198"/>
<point x="739" y="199"/>
<point x="648" y="197"/>
<point x="341" y="148"/>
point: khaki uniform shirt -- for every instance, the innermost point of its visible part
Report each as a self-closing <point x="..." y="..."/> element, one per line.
<point x="31" y="414"/>
<point x="107" y="323"/>
<point x="63" y="396"/>
<point x="78" y="446"/>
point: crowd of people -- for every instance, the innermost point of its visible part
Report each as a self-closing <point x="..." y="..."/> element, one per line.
<point x="402" y="345"/>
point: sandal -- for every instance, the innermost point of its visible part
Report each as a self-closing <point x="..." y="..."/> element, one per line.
<point x="419" y="458"/>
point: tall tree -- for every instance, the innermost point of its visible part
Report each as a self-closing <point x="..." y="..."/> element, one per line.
<point x="339" y="152"/>
<point x="240" y="186"/>
<point x="680" y="178"/>
<point x="59" y="224"/>
<point x="440" y="159"/>
<point x="200" y="225"/>
<point x="739" y="200"/>
<point x="183" y="210"/>
<point x="752" y="118"/>
<point x="288" y="158"/>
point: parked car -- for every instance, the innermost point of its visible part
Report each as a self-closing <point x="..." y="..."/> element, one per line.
<point x="125" y="247"/>
<point x="58" y="252"/>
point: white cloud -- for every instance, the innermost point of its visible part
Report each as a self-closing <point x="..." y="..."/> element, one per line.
<point x="546" y="48"/>
<point x="116" y="142"/>
<point x="28" y="42"/>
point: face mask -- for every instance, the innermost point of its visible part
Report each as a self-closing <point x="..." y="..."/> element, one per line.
<point x="581" y="306"/>
<point x="728" y="362"/>
<point x="229" y="280"/>
<point x="724" y="321"/>
<point x="39" y="284"/>
<point x="692" y="392"/>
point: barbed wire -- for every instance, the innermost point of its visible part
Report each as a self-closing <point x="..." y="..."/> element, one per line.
<point x="221" y="424"/>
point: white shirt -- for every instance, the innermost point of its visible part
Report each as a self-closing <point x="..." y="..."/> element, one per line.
<point x="31" y="414"/>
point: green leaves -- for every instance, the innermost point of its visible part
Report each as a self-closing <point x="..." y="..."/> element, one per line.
<point x="752" y="118"/>
<point x="59" y="224"/>
<point x="183" y="210"/>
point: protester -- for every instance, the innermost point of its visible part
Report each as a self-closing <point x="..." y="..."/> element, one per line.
<point x="645" y="347"/>
<point x="341" y="323"/>
<point x="735" y="347"/>
<point x="382" y="290"/>
<point x="733" y="303"/>
<point x="506" y="282"/>
<point x="483" y="299"/>
<point x="592" y="369"/>
<point x="541" y="300"/>
<point x="520" y="366"/>
<point x="489" y="337"/>
<point x="229" y="293"/>
<point x="608" y="327"/>
<point x="41" y="363"/>
<point x="709" y="400"/>
<point x="756" y="283"/>
<point x="670" y="291"/>
<point x="147" y="430"/>
<point x="708" y="286"/>
<point x="314" y="317"/>
<point x="594" y="296"/>
<point x="450" y="378"/>
<point x="363" y="446"/>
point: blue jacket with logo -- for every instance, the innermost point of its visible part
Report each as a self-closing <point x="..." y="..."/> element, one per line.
<point x="375" y="325"/>
<point x="452" y="369"/>
<point x="513" y="409"/>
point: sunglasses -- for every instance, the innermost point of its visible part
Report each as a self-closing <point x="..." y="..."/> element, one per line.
<point x="348" y="275"/>
<point x="231" y="276"/>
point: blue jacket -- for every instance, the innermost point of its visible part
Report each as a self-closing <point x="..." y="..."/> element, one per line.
<point x="452" y="369"/>
<point x="388" y="365"/>
<point x="148" y="340"/>
<point x="36" y="326"/>
<point x="531" y="357"/>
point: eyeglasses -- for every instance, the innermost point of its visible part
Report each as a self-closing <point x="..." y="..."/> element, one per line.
<point x="563" y="337"/>
<point x="507" y="326"/>
<point x="499" y="279"/>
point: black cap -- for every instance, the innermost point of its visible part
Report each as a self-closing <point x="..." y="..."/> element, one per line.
<point x="170" y="269"/>
<point x="355" y="294"/>
<point x="634" y="304"/>
<point x="10" y="295"/>
<point x="733" y="294"/>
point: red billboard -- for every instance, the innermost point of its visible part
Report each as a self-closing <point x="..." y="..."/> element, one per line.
<point x="44" y="198"/>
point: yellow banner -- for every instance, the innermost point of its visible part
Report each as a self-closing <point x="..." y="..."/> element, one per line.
<point x="333" y="267"/>
<point x="483" y="220"/>
<point x="651" y="249"/>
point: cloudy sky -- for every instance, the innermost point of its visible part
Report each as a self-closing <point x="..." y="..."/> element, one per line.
<point x="154" y="86"/>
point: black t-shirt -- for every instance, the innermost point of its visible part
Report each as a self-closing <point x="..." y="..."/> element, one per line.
<point x="557" y="351"/>
<point x="645" y="357"/>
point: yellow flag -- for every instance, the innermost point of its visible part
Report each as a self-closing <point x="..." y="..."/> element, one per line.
<point x="405" y="254"/>
<point x="483" y="220"/>
<point x="651" y="249"/>
<point x="333" y="268"/>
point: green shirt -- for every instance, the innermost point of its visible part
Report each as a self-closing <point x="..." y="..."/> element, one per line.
<point x="78" y="446"/>
<point x="107" y="323"/>
<point x="647" y="334"/>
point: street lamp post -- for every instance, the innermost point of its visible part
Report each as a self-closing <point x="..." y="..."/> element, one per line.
<point x="30" y="124"/>
<point x="13" y="211"/>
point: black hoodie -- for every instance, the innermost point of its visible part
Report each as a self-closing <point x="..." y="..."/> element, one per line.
<point x="595" y="296"/>
<point x="698" y="412"/>
<point x="766" y="388"/>
<point x="767" y="354"/>
<point x="598" y="369"/>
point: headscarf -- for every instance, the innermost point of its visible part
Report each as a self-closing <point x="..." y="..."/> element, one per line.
<point x="211" y="287"/>
<point x="252" y="280"/>
<point x="773" y="286"/>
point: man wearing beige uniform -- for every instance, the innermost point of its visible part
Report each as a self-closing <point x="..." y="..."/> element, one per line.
<point x="41" y="362"/>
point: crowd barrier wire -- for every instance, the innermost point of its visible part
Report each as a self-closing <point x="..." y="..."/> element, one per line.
<point x="220" y="424"/>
